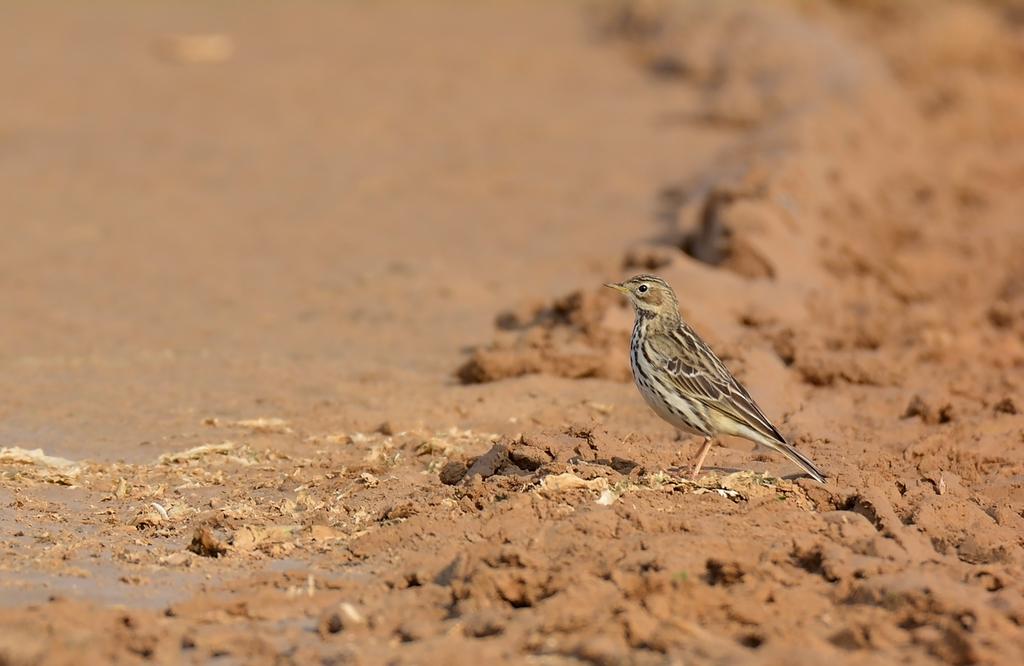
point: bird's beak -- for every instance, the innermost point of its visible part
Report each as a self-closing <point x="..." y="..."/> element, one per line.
<point x="617" y="287"/>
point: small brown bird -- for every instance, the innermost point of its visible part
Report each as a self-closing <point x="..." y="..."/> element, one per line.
<point x="683" y="381"/>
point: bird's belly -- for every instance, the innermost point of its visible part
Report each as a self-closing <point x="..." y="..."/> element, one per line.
<point x="681" y="414"/>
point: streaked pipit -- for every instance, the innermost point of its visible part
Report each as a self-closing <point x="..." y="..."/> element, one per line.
<point x="683" y="381"/>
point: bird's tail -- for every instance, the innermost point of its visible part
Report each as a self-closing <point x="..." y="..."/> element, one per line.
<point x="801" y="461"/>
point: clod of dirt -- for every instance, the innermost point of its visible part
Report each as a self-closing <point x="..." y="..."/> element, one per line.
<point x="929" y="412"/>
<point x="723" y="573"/>
<point x="206" y="543"/>
<point x="649" y="258"/>
<point x="1005" y="406"/>
<point x="507" y="575"/>
<point x="452" y="472"/>
<point x="573" y="337"/>
<point x="484" y="623"/>
<point x="1001" y="315"/>
<point x="528" y="457"/>
<point x="975" y="549"/>
<point x="715" y="241"/>
<point x="330" y="623"/>
<point x="488" y="464"/>
<point x="399" y="511"/>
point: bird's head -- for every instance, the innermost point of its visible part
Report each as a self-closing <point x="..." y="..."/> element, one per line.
<point x="649" y="295"/>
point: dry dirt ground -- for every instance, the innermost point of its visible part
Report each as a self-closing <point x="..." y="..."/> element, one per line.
<point x="305" y="358"/>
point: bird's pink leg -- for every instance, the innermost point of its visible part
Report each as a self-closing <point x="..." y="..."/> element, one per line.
<point x="701" y="455"/>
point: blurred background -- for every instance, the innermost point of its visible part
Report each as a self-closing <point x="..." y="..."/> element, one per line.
<point x="208" y="204"/>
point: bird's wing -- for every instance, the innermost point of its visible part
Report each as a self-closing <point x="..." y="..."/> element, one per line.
<point x="701" y="375"/>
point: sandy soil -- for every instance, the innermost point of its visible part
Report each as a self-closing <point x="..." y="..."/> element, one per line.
<point x="305" y="356"/>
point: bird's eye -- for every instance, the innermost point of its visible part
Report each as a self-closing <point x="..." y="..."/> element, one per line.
<point x="642" y="288"/>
